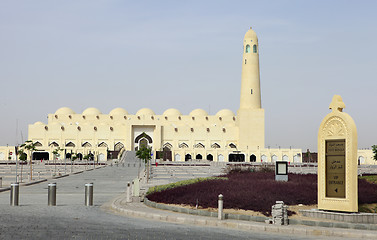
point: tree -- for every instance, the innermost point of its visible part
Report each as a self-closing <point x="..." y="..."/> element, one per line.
<point x="144" y="153"/>
<point x="374" y="149"/>
<point x="56" y="155"/>
<point x="31" y="147"/>
<point x="56" y="152"/>
<point x="74" y="156"/>
<point x="23" y="158"/>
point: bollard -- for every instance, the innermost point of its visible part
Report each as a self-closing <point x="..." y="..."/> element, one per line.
<point x="89" y="194"/>
<point x="14" y="193"/>
<point x="52" y="194"/>
<point x="220" y="206"/>
<point x="1" y="182"/>
<point x="128" y="198"/>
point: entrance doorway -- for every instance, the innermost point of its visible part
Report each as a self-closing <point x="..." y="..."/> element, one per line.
<point x="233" y="157"/>
<point x="40" y="156"/>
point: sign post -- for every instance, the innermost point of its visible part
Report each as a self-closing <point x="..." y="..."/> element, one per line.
<point x="337" y="160"/>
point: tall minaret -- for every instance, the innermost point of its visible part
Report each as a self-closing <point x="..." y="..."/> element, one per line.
<point x="250" y="115"/>
<point x="250" y="83"/>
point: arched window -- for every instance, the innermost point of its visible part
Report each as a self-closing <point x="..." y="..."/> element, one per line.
<point x="118" y="146"/>
<point x="70" y="144"/>
<point x="168" y="146"/>
<point x="209" y="157"/>
<point x="232" y="145"/>
<point x="199" y="156"/>
<point x="247" y="50"/>
<point x="54" y="144"/>
<point x="183" y="145"/>
<point x="255" y="48"/>
<point x="215" y="145"/>
<point x="86" y="144"/>
<point x="102" y="144"/>
<point x="187" y="157"/>
<point x="199" y="145"/>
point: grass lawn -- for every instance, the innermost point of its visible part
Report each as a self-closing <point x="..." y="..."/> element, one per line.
<point x="256" y="191"/>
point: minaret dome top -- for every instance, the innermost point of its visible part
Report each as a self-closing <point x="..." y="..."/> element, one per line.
<point x="250" y="34"/>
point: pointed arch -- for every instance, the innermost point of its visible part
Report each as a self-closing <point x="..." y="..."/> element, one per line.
<point x="86" y="144"/>
<point x="215" y="145"/>
<point x="167" y="145"/>
<point x="38" y="144"/>
<point x="247" y="49"/>
<point x="143" y="135"/>
<point x="232" y="145"/>
<point x="255" y="50"/>
<point x="70" y="144"/>
<point x="183" y="145"/>
<point x="102" y="144"/>
<point x="118" y="146"/>
<point x="210" y="157"/>
<point x="187" y="157"/>
<point x="198" y="156"/>
<point x="54" y="144"/>
<point x="199" y="145"/>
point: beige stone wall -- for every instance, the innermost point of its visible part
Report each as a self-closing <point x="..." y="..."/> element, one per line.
<point x="365" y="157"/>
<point x="196" y="133"/>
<point x="5" y="153"/>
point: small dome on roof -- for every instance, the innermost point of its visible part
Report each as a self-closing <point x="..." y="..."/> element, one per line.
<point x="118" y="111"/>
<point x="198" y="113"/>
<point x="64" y="110"/>
<point x="39" y="123"/>
<point x="91" y="111"/>
<point x="172" y="112"/>
<point x="145" y="112"/>
<point x="225" y="113"/>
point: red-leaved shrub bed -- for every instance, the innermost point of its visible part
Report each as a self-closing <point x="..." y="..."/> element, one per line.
<point x="255" y="191"/>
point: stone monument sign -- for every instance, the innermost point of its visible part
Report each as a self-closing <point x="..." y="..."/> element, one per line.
<point x="337" y="160"/>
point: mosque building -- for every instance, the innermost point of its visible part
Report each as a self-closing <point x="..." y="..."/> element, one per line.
<point x="223" y="137"/>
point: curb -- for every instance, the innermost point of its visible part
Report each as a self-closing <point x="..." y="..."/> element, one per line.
<point x="311" y="223"/>
<point x="234" y="224"/>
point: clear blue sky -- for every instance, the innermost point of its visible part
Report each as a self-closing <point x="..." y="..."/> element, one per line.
<point x="187" y="55"/>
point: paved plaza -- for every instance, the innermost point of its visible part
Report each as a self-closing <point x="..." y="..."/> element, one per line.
<point x="70" y="219"/>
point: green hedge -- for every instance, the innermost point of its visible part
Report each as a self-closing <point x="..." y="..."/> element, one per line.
<point x="182" y="183"/>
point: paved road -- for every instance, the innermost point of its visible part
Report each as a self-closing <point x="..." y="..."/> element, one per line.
<point x="70" y="219"/>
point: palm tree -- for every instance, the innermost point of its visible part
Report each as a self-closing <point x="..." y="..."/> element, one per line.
<point x="144" y="153"/>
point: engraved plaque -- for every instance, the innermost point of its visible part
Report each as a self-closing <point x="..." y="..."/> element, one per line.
<point x="335" y="168"/>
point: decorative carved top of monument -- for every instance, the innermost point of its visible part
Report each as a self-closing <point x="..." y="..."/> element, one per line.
<point x="337" y="103"/>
